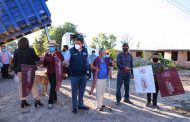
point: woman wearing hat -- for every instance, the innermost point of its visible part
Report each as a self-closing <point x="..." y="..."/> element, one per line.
<point x="101" y="72"/>
<point x="49" y="62"/>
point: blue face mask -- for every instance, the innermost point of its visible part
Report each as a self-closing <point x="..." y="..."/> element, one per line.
<point x="51" y="49"/>
<point x="4" y="50"/>
<point x="104" y="56"/>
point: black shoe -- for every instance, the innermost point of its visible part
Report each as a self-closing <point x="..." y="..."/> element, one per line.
<point x="37" y="102"/>
<point x="128" y="101"/>
<point x="24" y="103"/>
<point x="117" y="103"/>
<point x="83" y="107"/>
<point x="74" y="110"/>
<point x="147" y="105"/>
<point x="156" y="107"/>
<point x="103" y="106"/>
<point x="100" y="109"/>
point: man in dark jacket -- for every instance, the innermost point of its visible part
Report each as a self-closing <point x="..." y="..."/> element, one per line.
<point x="78" y="65"/>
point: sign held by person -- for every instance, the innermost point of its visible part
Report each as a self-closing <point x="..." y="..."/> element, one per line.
<point x="169" y="83"/>
<point x="59" y="71"/>
<point x="144" y="79"/>
<point x="28" y="75"/>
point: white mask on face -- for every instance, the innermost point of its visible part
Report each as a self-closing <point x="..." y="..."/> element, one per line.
<point x="77" y="46"/>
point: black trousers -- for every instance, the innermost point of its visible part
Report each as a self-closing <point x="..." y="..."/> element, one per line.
<point x="155" y="95"/>
<point x="4" y="70"/>
<point x="53" y="93"/>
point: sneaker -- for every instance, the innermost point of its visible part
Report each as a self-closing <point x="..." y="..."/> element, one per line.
<point x="128" y="101"/>
<point x="74" y="110"/>
<point x="50" y="106"/>
<point x="117" y="103"/>
<point x="83" y="107"/>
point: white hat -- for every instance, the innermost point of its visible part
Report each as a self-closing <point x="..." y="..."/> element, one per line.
<point x="52" y="43"/>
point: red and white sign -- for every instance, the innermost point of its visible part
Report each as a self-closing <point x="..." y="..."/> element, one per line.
<point x="169" y="83"/>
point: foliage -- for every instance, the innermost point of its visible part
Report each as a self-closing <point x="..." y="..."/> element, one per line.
<point x="56" y="33"/>
<point x="41" y="44"/>
<point x="105" y="41"/>
<point x="168" y="63"/>
<point x="113" y="52"/>
<point x="13" y="44"/>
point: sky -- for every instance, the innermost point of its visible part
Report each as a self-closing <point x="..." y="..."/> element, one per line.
<point x="156" y="24"/>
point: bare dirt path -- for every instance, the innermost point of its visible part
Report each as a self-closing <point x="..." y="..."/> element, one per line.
<point x="173" y="109"/>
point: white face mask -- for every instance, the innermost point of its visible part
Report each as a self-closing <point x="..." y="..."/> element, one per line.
<point x="77" y="46"/>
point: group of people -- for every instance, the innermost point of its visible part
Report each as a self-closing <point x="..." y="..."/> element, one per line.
<point x="76" y="63"/>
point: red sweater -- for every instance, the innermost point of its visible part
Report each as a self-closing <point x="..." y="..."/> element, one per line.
<point x="49" y="61"/>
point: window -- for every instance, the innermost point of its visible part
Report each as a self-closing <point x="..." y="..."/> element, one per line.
<point x="139" y="54"/>
<point x="174" y="55"/>
<point x="188" y="56"/>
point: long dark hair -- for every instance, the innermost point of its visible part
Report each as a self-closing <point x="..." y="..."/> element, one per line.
<point x="23" y="43"/>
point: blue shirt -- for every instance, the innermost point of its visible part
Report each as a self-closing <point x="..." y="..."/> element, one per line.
<point x="91" y="58"/>
<point x="66" y="55"/>
<point x="124" y="60"/>
<point x="102" y="74"/>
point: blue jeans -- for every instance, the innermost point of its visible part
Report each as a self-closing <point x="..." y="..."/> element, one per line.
<point x="78" y="85"/>
<point x="122" y="77"/>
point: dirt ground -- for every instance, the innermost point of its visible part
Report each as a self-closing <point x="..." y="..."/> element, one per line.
<point x="173" y="109"/>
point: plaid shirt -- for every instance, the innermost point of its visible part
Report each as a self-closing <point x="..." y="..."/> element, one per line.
<point x="5" y="57"/>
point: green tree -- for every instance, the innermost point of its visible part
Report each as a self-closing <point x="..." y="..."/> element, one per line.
<point x="102" y="40"/>
<point x="40" y="45"/>
<point x="56" y="33"/>
<point x="113" y="52"/>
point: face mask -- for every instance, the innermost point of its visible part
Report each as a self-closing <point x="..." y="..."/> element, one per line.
<point x="104" y="56"/>
<point x="64" y="50"/>
<point x="125" y="49"/>
<point x="77" y="46"/>
<point x="51" y="49"/>
<point x="4" y="50"/>
<point x="155" y="59"/>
